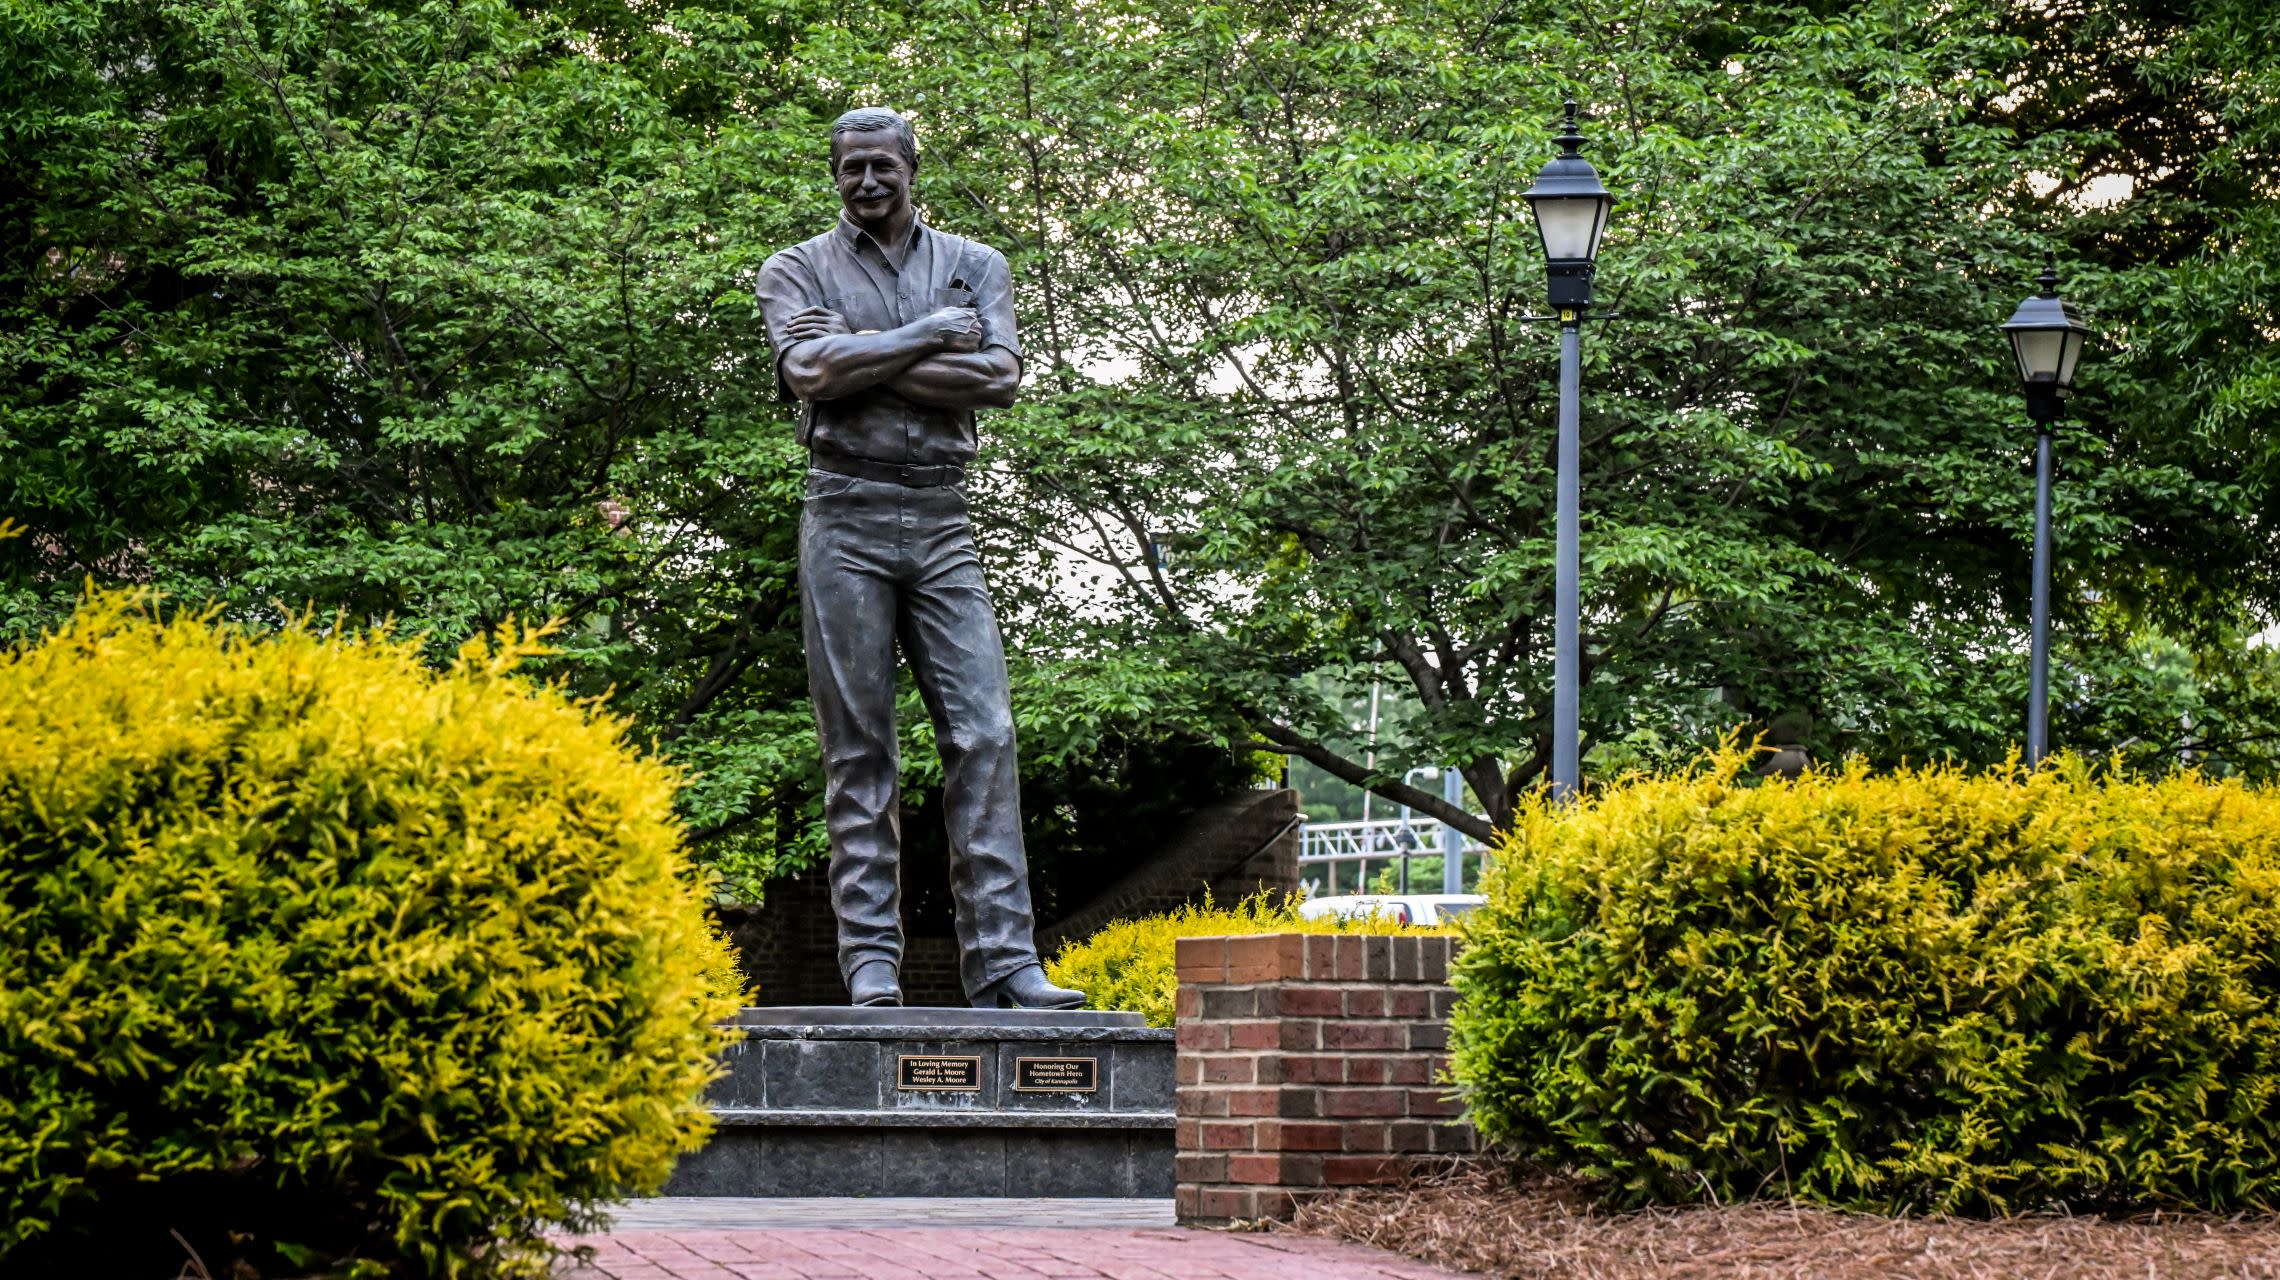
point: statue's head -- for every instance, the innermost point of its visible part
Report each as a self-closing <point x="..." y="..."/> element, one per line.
<point x="873" y="157"/>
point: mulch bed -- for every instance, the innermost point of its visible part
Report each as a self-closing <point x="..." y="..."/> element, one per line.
<point x="1474" y="1217"/>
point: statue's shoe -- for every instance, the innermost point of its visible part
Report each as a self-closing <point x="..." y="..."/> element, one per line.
<point x="1027" y="988"/>
<point x="875" y="982"/>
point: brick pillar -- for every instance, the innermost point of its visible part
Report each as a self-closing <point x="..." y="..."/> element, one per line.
<point x="1307" y="1063"/>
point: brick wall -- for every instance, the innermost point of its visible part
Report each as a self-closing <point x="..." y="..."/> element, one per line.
<point x="1308" y="1063"/>
<point x="1234" y="847"/>
<point x="790" y="944"/>
<point x="1231" y="849"/>
<point x="790" y="947"/>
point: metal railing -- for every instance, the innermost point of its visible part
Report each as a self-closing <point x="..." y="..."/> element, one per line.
<point x="1338" y="857"/>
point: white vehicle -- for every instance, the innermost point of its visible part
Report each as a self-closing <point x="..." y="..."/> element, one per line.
<point x="1401" y="908"/>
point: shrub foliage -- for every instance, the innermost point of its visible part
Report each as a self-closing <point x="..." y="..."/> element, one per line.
<point x="326" y="960"/>
<point x="1130" y="964"/>
<point x="1925" y="990"/>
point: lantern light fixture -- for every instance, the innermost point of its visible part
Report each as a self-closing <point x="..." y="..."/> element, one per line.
<point x="2046" y="342"/>
<point x="1570" y="206"/>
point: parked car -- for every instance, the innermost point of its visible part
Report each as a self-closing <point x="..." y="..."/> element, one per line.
<point x="1404" y="908"/>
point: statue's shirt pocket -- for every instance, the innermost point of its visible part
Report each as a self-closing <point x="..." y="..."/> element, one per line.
<point x="863" y="312"/>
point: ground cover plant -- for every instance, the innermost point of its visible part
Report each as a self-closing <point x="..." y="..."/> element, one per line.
<point x="1478" y="1217"/>
<point x="328" y="961"/>
<point x="1131" y="964"/>
<point x="1920" y="990"/>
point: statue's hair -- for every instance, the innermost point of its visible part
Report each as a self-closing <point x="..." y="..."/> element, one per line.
<point x="872" y="120"/>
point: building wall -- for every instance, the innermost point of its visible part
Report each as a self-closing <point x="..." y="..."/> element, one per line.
<point x="1231" y="848"/>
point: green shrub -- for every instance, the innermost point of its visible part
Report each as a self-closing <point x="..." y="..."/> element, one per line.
<point x="1130" y="964"/>
<point x="1918" y="990"/>
<point x="327" y="961"/>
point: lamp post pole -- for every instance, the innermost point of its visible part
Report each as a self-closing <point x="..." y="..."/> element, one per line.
<point x="1570" y="207"/>
<point x="1567" y="608"/>
<point x="2046" y="342"/>
<point x="2038" y="655"/>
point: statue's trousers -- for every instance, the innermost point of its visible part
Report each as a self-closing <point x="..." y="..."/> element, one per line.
<point x="883" y="564"/>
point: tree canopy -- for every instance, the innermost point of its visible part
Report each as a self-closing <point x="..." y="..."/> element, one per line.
<point x="441" y="312"/>
<point x="1288" y="287"/>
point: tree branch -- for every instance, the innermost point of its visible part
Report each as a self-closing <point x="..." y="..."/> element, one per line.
<point x="1288" y="742"/>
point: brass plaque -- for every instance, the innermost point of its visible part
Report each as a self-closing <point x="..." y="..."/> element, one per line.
<point x="1056" y="1075"/>
<point x="948" y="1073"/>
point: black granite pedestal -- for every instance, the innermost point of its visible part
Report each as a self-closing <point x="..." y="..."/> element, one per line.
<point x="834" y="1101"/>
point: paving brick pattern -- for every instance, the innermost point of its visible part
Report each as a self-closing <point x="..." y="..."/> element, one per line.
<point x="969" y="1253"/>
<point x="764" y="1213"/>
<point x="1308" y="1063"/>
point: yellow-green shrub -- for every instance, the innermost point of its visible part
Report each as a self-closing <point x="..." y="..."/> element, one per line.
<point x="382" y="969"/>
<point x="721" y="970"/>
<point x="1921" y="989"/>
<point x="1129" y="964"/>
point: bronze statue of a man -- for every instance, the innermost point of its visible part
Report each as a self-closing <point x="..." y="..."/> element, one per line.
<point x="890" y="334"/>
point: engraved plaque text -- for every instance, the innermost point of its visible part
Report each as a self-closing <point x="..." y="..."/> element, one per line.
<point x="1056" y="1075"/>
<point x="953" y="1073"/>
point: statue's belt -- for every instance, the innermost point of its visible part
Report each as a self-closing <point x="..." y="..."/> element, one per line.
<point x="909" y="474"/>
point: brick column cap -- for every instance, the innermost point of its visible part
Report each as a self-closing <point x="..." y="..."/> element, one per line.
<point x="1315" y="957"/>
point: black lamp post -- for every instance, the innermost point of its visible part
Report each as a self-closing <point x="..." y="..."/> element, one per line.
<point x="1570" y="207"/>
<point x="2046" y="340"/>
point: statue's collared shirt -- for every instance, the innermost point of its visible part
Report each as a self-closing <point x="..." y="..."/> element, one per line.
<point x="845" y="271"/>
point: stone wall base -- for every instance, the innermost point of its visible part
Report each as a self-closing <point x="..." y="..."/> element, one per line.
<point x="834" y="1101"/>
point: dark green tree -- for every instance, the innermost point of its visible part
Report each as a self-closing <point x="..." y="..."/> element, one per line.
<point x="1300" y="421"/>
<point x="433" y="313"/>
<point x="440" y="313"/>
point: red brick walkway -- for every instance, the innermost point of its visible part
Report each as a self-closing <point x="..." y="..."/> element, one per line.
<point x="997" y="1253"/>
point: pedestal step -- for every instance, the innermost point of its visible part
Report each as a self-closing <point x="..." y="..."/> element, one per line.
<point x="835" y="1101"/>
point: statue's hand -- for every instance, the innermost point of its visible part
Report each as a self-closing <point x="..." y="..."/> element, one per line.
<point x="957" y="329"/>
<point x="813" y="322"/>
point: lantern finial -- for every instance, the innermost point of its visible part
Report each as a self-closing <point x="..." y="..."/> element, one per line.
<point x="1571" y="136"/>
